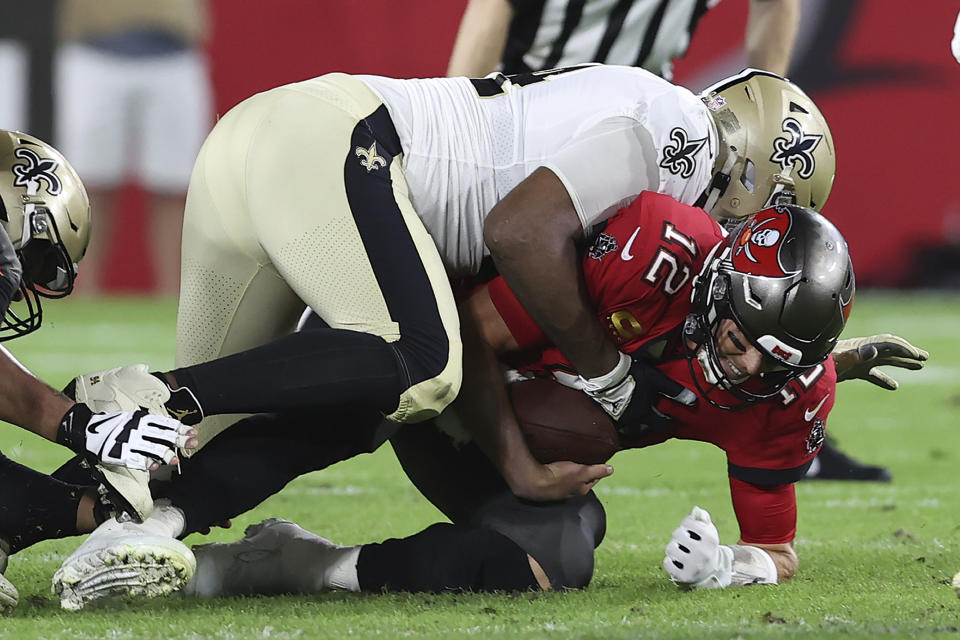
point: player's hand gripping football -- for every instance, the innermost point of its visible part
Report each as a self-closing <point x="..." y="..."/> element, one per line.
<point x="860" y="357"/>
<point x="133" y="439"/>
<point x="629" y="394"/>
<point x="556" y="480"/>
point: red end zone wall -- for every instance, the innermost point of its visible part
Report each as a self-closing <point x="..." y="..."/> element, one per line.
<point x="884" y="78"/>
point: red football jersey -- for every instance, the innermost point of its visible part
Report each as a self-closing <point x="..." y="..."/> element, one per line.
<point x="638" y="273"/>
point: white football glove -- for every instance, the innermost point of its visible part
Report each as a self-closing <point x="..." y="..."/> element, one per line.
<point x="860" y="357"/>
<point x="133" y="439"/>
<point x="695" y="559"/>
<point x="694" y="556"/>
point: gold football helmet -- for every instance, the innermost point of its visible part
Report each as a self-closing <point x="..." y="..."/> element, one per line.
<point x="45" y="211"/>
<point x="775" y="146"/>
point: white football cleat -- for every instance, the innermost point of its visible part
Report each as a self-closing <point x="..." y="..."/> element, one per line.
<point x="122" y="389"/>
<point x="128" y="559"/>
<point x="275" y="556"/>
<point x="9" y="596"/>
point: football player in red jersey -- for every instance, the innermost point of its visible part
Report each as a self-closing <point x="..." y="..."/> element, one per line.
<point x="746" y="346"/>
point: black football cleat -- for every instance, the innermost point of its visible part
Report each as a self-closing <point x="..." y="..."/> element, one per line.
<point x="833" y="464"/>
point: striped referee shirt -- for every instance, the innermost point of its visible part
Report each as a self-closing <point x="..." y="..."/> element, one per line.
<point x="545" y="34"/>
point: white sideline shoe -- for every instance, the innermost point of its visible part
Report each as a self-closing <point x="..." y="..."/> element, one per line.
<point x="125" y="558"/>
<point x="9" y="596"/>
<point x="275" y="556"/>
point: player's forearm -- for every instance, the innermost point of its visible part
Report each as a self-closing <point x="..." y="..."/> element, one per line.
<point x="481" y="38"/>
<point x="485" y="407"/>
<point x="771" y="33"/>
<point x="27" y="401"/>
<point x="531" y="235"/>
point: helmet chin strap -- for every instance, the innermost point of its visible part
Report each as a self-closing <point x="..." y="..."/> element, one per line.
<point x="710" y="372"/>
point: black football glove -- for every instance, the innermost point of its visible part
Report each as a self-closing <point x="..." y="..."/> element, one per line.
<point x="629" y="394"/>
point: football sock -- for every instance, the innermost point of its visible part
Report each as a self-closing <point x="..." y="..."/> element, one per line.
<point x="445" y="557"/>
<point x="309" y="369"/>
<point x="36" y="506"/>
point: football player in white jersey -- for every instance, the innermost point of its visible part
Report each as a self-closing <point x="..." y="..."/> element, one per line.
<point x="359" y="196"/>
<point x="44" y="233"/>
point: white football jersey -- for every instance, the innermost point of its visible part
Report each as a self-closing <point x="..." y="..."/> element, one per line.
<point x="608" y="132"/>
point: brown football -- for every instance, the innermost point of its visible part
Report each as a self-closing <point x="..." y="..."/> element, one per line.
<point x="561" y="423"/>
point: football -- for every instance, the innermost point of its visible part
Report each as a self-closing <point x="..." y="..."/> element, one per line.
<point x="561" y="423"/>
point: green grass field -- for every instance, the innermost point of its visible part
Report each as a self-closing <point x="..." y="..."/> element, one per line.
<point x="875" y="559"/>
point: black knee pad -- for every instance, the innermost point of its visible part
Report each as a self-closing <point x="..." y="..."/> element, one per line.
<point x="560" y="536"/>
<point x="461" y="482"/>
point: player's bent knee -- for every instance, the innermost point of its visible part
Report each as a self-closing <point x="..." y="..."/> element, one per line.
<point x="569" y="568"/>
<point x="565" y="546"/>
<point x="434" y="378"/>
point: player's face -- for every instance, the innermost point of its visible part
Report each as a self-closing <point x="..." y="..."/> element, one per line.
<point x="738" y="357"/>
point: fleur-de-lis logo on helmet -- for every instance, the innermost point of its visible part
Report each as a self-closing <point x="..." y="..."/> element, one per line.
<point x="678" y="157"/>
<point x="36" y="169"/>
<point x="369" y="158"/>
<point x="796" y="148"/>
